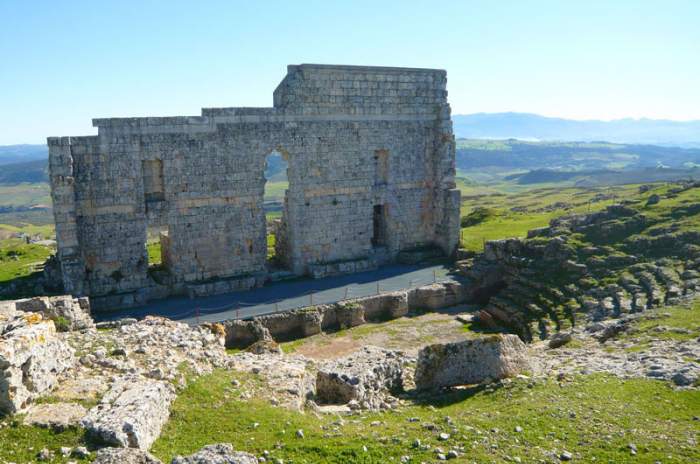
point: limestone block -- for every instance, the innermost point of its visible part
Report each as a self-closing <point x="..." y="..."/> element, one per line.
<point x="310" y="321"/>
<point x="365" y="376"/>
<point x="350" y="314"/>
<point x="31" y="358"/>
<point x="131" y="414"/>
<point x="74" y="311"/>
<point x="471" y="361"/>
<point x="221" y="453"/>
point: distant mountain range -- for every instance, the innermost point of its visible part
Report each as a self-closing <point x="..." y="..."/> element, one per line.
<point x="10" y="154"/>
<point x="525" y="126"/>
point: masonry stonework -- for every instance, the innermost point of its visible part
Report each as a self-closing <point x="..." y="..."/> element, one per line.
<point x="371" y="159"/>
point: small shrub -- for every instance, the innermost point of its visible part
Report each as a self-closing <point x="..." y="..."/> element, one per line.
<point x="478" y="215"/>
<point x="62" y="324"/>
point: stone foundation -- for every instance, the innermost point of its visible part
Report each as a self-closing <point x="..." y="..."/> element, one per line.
<point x="304" y="322"/>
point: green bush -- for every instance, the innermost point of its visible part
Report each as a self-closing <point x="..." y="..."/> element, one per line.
<point x="62" y="324"/>
<point x="478" y="215"/>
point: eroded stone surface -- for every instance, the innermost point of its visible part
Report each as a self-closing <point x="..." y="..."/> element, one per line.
<point x="155" y="347"/>
<point x="31" y="358"/>
<point x="469" y="362"/>
<point x="131" y="414"/>
<point x="290" y="380"/>
<point x="55" y="415"/>
<point x="221" y="453"/>
<point x="68" y="312"/>
<point x="367" y="377"/>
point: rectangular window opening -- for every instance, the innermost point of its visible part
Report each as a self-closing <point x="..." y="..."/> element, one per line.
<point x="379" y="226"/>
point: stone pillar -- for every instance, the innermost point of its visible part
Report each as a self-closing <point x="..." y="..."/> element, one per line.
<point x="447" y="196"/>
<point x="64" y="211"/>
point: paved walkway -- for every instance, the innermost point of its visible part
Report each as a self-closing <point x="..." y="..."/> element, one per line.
<point x="286" y="295"/>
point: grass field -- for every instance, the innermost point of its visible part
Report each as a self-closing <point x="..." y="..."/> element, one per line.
<point x="25" y="194"/>
<point x="594" y="417"/>
<point x="275" y="190"/>
<point x="513" y="214"/>
<point x="19" y="259"/>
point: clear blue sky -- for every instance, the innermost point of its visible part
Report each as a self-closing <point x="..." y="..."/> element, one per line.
<point x="65" y="62"/>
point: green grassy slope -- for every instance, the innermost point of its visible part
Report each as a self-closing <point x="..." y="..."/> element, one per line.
<point x="593" y="417"/>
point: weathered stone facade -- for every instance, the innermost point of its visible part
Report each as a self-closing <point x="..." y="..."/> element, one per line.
<point x="371" y="160"/>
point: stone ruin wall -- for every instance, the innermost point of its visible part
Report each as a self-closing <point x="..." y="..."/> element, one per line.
<point x="354" y="138"/>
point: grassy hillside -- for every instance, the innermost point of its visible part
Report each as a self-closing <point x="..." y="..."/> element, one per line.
<point x="30" y="171"/>
<point x="513" y="214"/>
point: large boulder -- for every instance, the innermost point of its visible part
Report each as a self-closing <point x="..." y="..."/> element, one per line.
<point x="366" y="376"/>
<point x="131" y="414"/>
<point x="470" y="362"/>
<point x="31" y="358"/>
<point x="221" y="453"/>
<point x="125" y="456"/>
<point x="69" y="313"/>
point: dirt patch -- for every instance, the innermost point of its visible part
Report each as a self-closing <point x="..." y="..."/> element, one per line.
<point x="409" y="334"/>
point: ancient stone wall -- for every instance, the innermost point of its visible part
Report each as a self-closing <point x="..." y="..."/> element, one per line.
<point x="371" y="170"/>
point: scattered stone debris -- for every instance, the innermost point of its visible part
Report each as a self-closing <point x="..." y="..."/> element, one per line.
<point x="221" y="453"/>
<point x="31" y="358"/>
<point x="368" y="377"/>
<point x="669" y="360"/>
<point x="155" y="347"/>
<point x="290" y="380"/>
<point x="470" y="362"/>
<point x="125" y="456"/>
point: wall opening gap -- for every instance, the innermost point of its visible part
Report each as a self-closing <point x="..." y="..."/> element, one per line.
<point x="276" y="185"/>
<point x="379" y="226"/>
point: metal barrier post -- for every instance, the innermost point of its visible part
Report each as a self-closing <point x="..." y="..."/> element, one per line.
<point x="434" y="276"/>
<point x="346" y="293"/>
